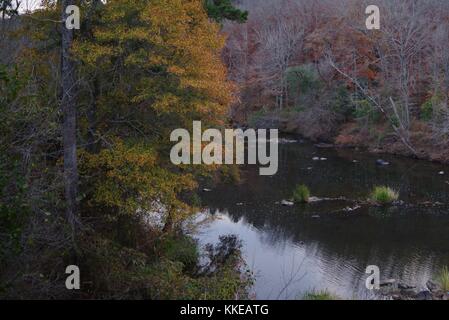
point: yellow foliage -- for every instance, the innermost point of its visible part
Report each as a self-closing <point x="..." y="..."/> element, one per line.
<point x="128" y="180"/>
<point x="171" y="51"/>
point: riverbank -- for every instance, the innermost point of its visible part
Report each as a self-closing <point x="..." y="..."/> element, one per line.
<point x="377" y="139"/>
<point x="400" y="291"/>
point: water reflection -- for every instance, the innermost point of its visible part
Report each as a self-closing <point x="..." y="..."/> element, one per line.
<point x="292" y="251"/>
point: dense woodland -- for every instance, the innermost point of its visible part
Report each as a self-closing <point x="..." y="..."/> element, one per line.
<point x="85" y="176"/>
<point x="313" y="68"/>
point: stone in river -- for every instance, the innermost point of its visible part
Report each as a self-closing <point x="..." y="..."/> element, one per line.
<point x="432" y="286"/>
<point x="424" y="295"/>
<point x="381" y="162"/>
<point x="287" y="203"/>
<point x="405" y="286"/>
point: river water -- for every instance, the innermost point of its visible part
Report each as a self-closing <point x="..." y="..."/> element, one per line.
<point x="319" y="246"/>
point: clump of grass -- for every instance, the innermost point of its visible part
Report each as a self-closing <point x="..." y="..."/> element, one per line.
<point x="301" y="194"/>
<point x="319" y="295"/>
<point x="384" y="195"/>
<point x="443" y="279"/>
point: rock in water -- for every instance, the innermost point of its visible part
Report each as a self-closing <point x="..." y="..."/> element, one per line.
<point x="424" y="295"/>
<point x="432" y="286"/>
<point x="381" y="162"/>
<point x="405" y="286"/>
<point x="287" y="203"/>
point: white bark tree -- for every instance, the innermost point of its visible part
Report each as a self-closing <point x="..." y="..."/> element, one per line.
<point x="279" y="39"/>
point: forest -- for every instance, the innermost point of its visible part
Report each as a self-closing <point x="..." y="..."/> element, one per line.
<point x="86" y="116"/>
<point x="86" y="120"/>
<point x="312" y="67"/>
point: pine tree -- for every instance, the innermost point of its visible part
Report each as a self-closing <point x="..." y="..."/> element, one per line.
<point x="220" y="10"/>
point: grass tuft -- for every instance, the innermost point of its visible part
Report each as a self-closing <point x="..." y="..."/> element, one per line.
<point x="319" y="295"/>
<point x="443" y="279"/>
<point x="384" y="195"/>
<point x="301" y="194"/>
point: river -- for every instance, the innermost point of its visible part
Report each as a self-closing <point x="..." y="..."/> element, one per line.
<point x="319" y="246"/>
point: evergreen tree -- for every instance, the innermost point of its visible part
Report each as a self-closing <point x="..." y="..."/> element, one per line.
<point x="220" y="10"/>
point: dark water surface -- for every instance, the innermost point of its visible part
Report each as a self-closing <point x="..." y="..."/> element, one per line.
<point x="292" y="251"/>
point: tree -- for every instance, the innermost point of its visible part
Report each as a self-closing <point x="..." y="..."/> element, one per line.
<point x="143" y="68"/>
<point x="279" y="39"/>
<point x="68" y="107"/>
<point x="402" y="47"/>
<point x="164" y="57"/>
<point x="220" y="10"/>
<point x="9" y="8"/>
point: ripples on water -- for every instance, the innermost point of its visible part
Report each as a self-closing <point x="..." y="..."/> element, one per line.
<point x="285" y="245"/>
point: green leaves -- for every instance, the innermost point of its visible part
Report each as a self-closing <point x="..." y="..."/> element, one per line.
<point x="220" y="10"/>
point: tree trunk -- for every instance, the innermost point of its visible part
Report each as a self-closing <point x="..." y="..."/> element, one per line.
<point x="68" y="107"/>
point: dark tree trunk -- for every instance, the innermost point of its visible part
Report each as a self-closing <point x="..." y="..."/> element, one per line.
<point x="68" y="107"/>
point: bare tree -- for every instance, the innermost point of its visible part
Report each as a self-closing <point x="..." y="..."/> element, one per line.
<point x="377" y="102"/>
<point x="406" y="26"/>
<point x="279" y="39"/>
<point x="439" y="61"/>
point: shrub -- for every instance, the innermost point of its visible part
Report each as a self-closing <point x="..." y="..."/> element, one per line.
<point x="301" y="194"/>
<point x="180" y="248"/>
<point x="222" y="277"/>
<point x="231" y="174"/>
<point x="302" y="79"/>
<point x="427" y="110"/>
<point x="443" y="279"/>
<point x="319" y="295"/>
<point x="365" y="112"/>
<point x="384" y="195"/>
<point x="341" y="102"/>
<point x="303" y="83"/>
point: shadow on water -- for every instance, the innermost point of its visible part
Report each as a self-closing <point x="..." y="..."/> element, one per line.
<point x="318" y="246"/>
